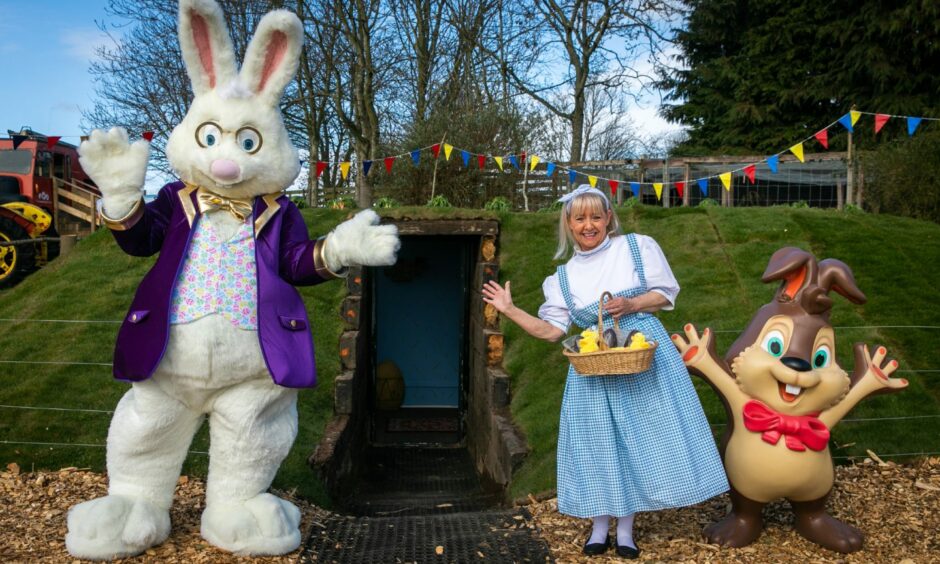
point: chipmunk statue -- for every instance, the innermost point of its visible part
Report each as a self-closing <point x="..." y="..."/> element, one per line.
<point x="782" y="394"/>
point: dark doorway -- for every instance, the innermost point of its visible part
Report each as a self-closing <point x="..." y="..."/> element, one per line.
<point x="419" y="337"/>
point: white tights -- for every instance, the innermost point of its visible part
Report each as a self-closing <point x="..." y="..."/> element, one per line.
<point x="624" y="530"/>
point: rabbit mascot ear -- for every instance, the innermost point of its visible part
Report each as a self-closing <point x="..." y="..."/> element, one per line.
<point x="273" y="56"/>
<point x="206" y="45"/>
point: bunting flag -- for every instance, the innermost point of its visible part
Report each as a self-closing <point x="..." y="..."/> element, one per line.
<point x="613" y="187"/>
<point x="823" y="137"/>
<point x="366" y="165"/>
<point x="52" y="140"/>
<point x="846" y="122"/>
<point x="703" y="186"/>
<point x="481" y="160"/>
<point x="798" y="151"/>
<point x="855" y="115"/>
<point x="389" y="161"/>
<point x="572" y="176"/>
<point x="522" y="157"/>
<point x="17" y="140"/>
<point x="680" y="188"/>
<point x="658" y="187"/>
<point x="534" y="162"/>
<point x="499" y="162"/>
<point x="749" y="172"/>
<point x="550" y="169"/>
<point x="416" y="156"/>
<point x="592" y="180"/>
<point x="344" y="169"/>
<point x="148" y="135"/>
<point x="772" y="163"/>
<point x="912" y="123"/>
<point x="635" y="188"/>
<point x="726" y="180"/>
<point x="321" y="166"/>
<point x="466" y="158"/>
<point x="514" y="161"/>
<point x="447" y="150"/>
<point x="880" y="121"/>
<point x="436" y="149"/>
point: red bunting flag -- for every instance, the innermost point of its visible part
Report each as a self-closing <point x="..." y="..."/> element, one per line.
<point x="880" y="121"/>
<point x="749" y="171"/>
<point x="52" y="140"/>
<point x="823" y="138"/>
<point x="389" y="161"/>
<point x="148" y="135"/>
<point x="613" y="186"/>
<point x="522" y="157"/>
<point x="321" y="166"/>
<point x="436" y="149"/>
<point x="680" y="188"/>
<point x="481" y="160"/>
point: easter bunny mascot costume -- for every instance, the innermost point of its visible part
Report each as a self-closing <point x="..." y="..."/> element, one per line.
<point x="216" y="328"/>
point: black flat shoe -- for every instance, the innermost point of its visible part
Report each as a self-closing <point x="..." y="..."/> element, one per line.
<point x="628" y="552"/>
<point x="597" y="548"/>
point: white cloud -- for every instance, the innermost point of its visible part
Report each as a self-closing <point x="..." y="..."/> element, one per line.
<point x="81" y="44"/>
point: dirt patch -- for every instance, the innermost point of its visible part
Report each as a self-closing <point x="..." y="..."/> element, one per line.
<point x="896" y="506"/>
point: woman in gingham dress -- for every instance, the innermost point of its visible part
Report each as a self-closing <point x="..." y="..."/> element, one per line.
<point x="626" y="443"/>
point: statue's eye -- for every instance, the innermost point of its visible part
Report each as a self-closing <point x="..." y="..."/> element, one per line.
<point x="208" y="134"/>
<point x="822" y="357"/>
<point x="248" y="139"/>
<point x="773" y="343"/>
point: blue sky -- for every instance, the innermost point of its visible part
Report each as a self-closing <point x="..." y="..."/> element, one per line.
<point x="45" y="50"/>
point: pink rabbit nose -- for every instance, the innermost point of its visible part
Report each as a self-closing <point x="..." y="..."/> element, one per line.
<point x="224" y="169"/>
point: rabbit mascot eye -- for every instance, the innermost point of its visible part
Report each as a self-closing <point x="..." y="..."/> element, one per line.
<point x="782" y="393"/>
<point x="216" y="328"/>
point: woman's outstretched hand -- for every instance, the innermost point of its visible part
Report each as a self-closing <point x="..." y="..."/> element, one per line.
<point x="497" y="296"/>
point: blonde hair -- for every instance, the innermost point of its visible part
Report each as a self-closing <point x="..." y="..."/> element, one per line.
<point x="587" y="203"/>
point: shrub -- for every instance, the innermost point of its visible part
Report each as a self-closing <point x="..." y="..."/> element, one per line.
<point x="631" y="203"/>
<point x="299" y="201"/>
<point x="852" y="208"/>
<point x="385" y="202"/>
<point x="708" y="203"/>
<point x="799" y="204"/>
<point x="903" y="177"/>
<point x="438" y="201"/>
<point x="499" y="204"/>
<point x="341" y="203"/>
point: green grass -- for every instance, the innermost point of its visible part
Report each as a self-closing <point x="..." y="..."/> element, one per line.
<point x="717" y="255"/>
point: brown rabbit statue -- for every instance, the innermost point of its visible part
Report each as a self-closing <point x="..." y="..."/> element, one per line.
<point x="782" y="393"/>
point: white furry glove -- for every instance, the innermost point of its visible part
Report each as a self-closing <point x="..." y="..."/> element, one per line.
<point x="117" y="166"/>
<point x="361" y="241"/>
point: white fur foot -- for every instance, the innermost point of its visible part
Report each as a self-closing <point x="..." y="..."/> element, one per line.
<point x="115" y="526"/>
<point x="264" y="525"/>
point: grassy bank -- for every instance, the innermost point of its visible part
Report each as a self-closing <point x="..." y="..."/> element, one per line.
<point x="717" y="255"/>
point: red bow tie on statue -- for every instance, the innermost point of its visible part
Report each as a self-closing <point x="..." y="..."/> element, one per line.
<point x="800" y="431"/>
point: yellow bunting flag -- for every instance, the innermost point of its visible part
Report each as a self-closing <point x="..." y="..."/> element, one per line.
<point x="499" y="162"/>
<point x="592" y="180"/>
<point x="798" y="151"/>
<point x="855" y="115"/>
<point x="447" y="150"/>
<point x="726" y="180"/>
<point x="534" y="160"/>
<point x="658" y="186"/>
<point x="344" y="169"/>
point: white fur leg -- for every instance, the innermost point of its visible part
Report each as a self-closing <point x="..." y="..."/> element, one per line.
<point x="361" y="241"/>
<point x="264" y="525"/>
<point x="115" y="526"/>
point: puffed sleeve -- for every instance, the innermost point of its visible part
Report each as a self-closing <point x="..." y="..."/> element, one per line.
<point x="554" y="310"/>
<point x="659" y="277"/>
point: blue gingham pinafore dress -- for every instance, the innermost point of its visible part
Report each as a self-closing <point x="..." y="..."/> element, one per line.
<point x="633" y="442"/>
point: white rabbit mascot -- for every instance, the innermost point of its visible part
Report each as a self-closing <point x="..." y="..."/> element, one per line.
<point x="216" y="327"/>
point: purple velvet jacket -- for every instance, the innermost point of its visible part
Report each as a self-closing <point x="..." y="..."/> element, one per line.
<point x="284" y="258"/>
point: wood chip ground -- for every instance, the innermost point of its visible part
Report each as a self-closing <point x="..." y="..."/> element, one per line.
<point x="896" y="506"/>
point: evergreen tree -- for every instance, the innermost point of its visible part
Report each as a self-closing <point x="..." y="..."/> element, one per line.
<point x="759" y="75"/>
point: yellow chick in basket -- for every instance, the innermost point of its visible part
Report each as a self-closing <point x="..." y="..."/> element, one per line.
<point x="588" y="341"/>
<point x="639" y="342"/>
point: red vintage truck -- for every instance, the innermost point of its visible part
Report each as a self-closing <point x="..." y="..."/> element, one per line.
<point x="43" y="192"/>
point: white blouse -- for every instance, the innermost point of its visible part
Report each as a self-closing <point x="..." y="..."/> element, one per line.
<point x="609" y="267"/>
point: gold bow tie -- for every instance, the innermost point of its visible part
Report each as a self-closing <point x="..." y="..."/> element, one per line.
<point x="209" y="202"/>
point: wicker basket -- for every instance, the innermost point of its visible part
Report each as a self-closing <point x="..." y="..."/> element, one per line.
<point x="607" y="362"/>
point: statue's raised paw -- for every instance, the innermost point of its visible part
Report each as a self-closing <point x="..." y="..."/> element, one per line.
<point x="115" y="526"/>
<point x="264" y="525"/>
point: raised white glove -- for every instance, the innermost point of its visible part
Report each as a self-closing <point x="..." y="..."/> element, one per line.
<point x="361" y="241"/>
<point x="117" y="166"/>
